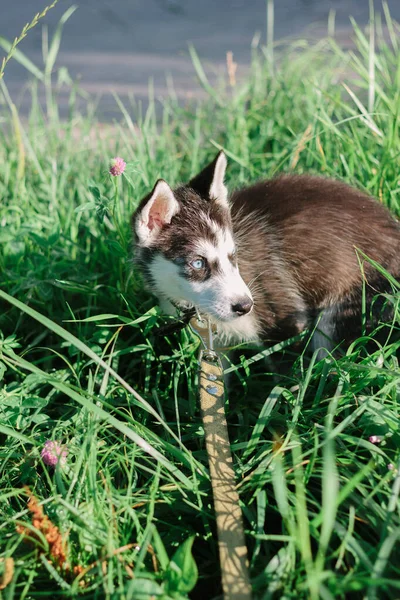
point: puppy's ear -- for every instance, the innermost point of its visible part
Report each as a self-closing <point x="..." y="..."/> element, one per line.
<point x="210" y="182"/>
<point x="155" y="212"/>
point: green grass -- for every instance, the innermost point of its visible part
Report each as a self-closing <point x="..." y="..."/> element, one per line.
<point x="80" y="361"/>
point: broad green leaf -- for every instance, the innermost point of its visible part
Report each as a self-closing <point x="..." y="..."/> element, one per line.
<point x="181" y="576"/>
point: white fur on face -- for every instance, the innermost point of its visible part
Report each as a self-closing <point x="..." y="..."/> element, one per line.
<point x="245" y="329"/>
<point x="227" y="286"/>
<point x="219" y="251"/>
<point x="218" y="293"/>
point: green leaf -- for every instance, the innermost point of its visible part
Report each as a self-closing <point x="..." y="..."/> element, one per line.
<point x="85" y="206"/>
<point x="95" y="191"/>
<point x="143" y="589"/>
<point x="38" y="419"/>
<point x="115" y="248"/>
<point x="14" y="434"/>
<point x="181" y="576"/>
<point x="160" y="549"/>
<point x="262" y="420"/>
<point x="22" y="59"/>
<point x="34" y="402"/>
<point x="10" y="342"/>
<point x="56" y="41"/>
<point x="41" y="241"/>
<point x="3" y="369"/>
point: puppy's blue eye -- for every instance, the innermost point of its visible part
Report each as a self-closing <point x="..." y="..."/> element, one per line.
<point x="198" y="263"/>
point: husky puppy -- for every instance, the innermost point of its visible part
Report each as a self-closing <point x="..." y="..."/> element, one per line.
<point x="271" y="260"/>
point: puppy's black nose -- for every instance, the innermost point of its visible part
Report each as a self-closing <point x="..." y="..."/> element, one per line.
<point x="243" y="306"/>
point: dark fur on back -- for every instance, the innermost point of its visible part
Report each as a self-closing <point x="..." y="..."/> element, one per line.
<point x="297" y="238"/>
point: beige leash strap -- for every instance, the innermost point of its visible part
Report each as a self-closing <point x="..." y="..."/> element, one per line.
<point x="231" y="539"/>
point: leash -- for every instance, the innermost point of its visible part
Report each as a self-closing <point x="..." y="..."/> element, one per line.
<point x="231" y="539"/>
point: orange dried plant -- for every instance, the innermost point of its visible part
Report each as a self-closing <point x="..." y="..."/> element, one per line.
<point x="8" y="572"/>
<point x="41" y="522"/>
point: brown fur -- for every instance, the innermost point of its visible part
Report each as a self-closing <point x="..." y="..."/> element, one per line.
<point x="297" y="238"/>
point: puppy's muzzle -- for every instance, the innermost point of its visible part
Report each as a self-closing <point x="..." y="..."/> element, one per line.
<point x="242" y="306"/>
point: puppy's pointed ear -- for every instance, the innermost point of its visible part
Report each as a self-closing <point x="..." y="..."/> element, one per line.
<point x="155" y="212"/>
<point x="210" y="182"/>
